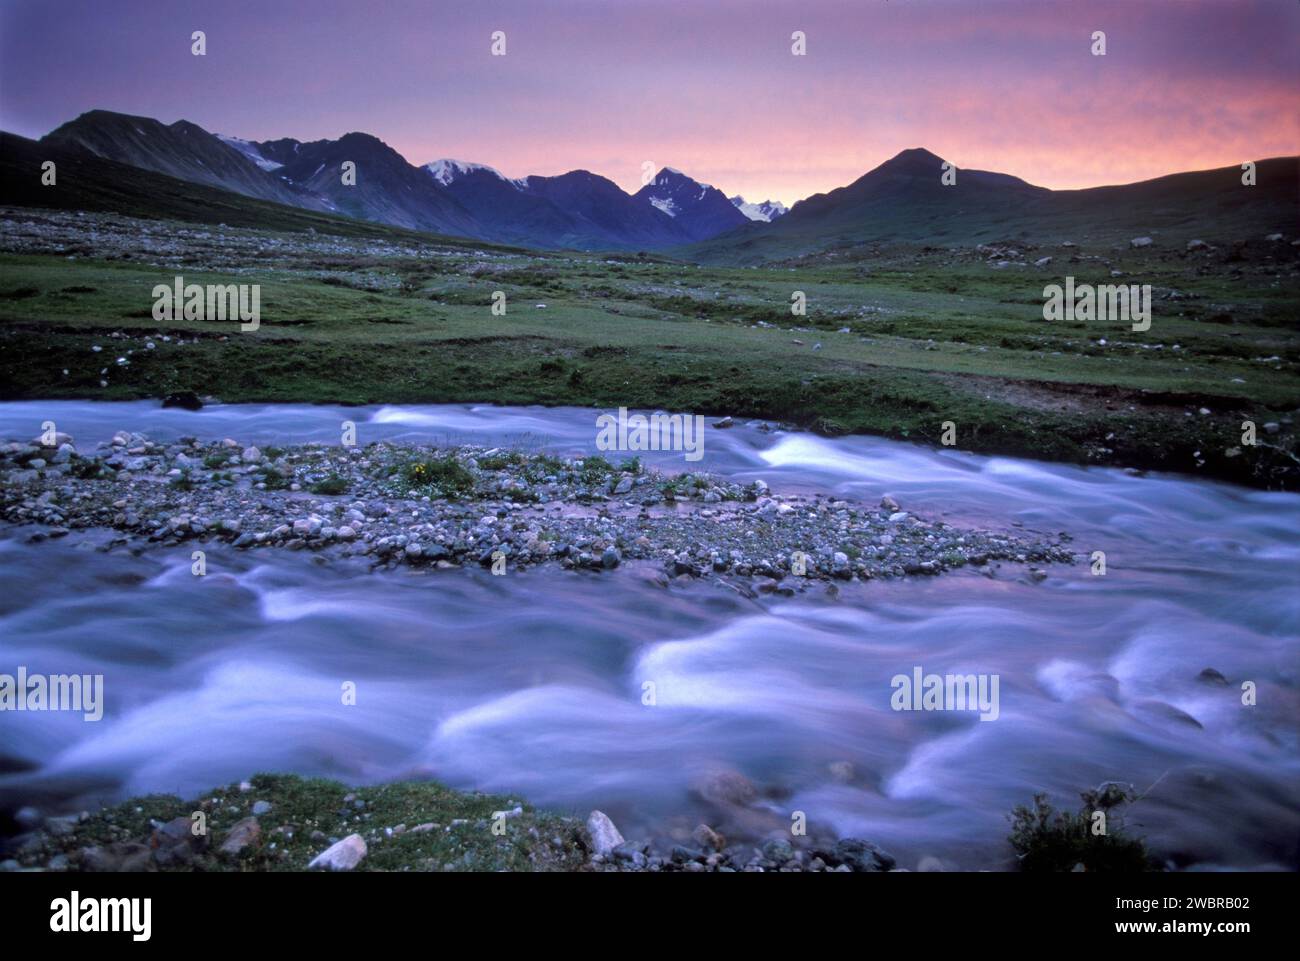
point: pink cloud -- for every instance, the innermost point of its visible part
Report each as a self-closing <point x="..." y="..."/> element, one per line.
<point x="710" y="88"/>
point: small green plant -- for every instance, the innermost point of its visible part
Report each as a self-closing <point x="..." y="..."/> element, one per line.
<point x="541" y="467"/>
<point x="86" y="468"/>
<point x="274" y="480"/>
<point x="332" y="485"/>
<point x="183" y="481"/>
<point x="1048" y="840"/>
<point x="631" y="465"/>
<point x="218" y="459"/>
<point x="501" y="460"/>
<point x="595" y="469"/>
<point x="443" y="476"/>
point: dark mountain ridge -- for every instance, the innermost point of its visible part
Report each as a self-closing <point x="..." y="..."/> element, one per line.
<point x="903" y="200"/>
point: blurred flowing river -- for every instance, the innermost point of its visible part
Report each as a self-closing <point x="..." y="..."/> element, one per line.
<point x="530" y="684"/>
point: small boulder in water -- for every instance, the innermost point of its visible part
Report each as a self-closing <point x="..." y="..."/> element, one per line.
<point x="707" y="838"/>
<point x="1161" y="711"/>
<point x="727" y="788"/>
<point x="60" y="438"/>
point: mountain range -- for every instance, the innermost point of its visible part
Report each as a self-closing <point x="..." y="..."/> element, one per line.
<point x="904" y="200"/>
<point x="578" y="209"/>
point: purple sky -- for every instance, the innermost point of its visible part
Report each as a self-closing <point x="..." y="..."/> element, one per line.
<point x="707" y="86"/>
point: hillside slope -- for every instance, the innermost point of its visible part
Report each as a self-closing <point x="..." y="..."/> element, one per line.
<point x="903" y="201"/>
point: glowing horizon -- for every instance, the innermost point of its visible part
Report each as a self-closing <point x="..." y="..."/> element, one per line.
<point x="715" y="92"/>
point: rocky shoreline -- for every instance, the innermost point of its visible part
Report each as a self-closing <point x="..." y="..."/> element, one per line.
<point x="420" y="506"/>
<point x="288" y="823"/>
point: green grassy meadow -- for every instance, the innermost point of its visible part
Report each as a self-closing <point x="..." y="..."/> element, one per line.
<point x="895" y="342"/>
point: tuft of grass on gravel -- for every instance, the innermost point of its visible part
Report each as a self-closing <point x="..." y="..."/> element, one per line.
<point x="438" y="477"/>
<point x="334" y="484"/>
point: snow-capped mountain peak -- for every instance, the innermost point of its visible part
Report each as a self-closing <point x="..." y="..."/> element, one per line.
<point x="671" y="176"/>
<point x="767" y="211"/>
<point x="698" y="209"/>
<point x="445" y="171"/>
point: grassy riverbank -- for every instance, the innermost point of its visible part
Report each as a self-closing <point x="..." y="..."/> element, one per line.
<point x="282" y="822"/>
<point x="407" y="826"/>
<point x="895" y="341"/>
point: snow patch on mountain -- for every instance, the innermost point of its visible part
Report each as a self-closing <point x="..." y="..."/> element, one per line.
<point x="447" y="170"/>
<point x="767" y="211"/>
<point x="665" y="204"/>
<point x="250" y="151"/>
